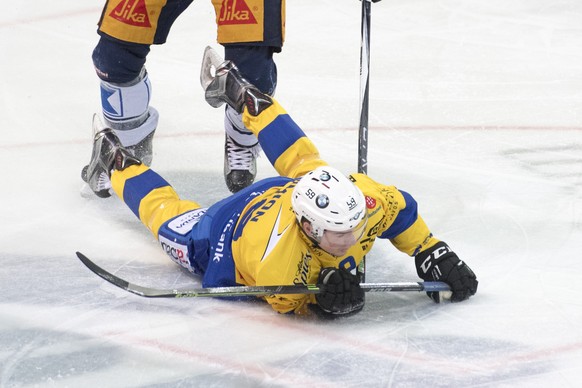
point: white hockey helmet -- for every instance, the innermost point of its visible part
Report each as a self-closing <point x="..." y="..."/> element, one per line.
<point x="329" y="201"/>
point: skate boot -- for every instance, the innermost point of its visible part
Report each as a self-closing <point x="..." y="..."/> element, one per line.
<point x="241" y="147"/>
<point x="227" y="85"/>
<point x="240" y="166"/>
<point x="107" y="154"/>
<point x="141" y="147"/>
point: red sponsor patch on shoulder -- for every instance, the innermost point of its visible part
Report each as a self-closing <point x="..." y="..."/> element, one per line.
<point x="370" y="202"/>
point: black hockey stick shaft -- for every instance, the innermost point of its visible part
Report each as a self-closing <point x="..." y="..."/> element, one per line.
<point x="243" y="291"/>
<point x="364" y="103"/>
<point x="364" y="87"/>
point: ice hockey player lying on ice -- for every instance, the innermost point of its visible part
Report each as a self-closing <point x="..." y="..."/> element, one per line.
<point x="310" y="225"/>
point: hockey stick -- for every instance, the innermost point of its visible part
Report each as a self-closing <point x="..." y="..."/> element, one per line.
<point x="242" y="291"/>
<point x="364" y="103"/>
<point x="364" y="87"/>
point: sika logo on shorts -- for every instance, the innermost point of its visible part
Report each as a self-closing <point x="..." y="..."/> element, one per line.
<point x="235" y="12"/>
<point x="132" y="12"/>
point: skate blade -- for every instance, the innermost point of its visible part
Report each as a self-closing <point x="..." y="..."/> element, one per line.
<point x="210" y="62"/>
<point x="87" y="193"/>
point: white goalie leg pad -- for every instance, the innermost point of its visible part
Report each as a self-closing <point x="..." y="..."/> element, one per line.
<point x="132" y="136"/>
<point x="235" y="128"/>
<point x="126" y="105"/>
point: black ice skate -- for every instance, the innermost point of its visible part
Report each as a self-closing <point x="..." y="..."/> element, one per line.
<point x="107" y="154"/>
<point x="223" y="83"/>
<point x="240" y="166"/>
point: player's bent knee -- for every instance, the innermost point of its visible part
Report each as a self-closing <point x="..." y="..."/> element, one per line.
<point x="119" y="62"/>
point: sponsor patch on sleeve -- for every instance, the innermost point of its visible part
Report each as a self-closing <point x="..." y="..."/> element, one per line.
<point x="177" y="252"/>
<point x="184" y="223"/>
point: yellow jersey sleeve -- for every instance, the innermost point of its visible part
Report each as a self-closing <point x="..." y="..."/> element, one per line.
<point x="393" y="214"/>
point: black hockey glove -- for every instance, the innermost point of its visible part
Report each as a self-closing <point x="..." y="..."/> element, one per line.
<point x="440" y="263"/>
<point x="342" y="293"/>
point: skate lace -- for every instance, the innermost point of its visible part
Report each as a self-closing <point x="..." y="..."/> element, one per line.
<point x="103" y="182"/>
<point x="239" y="157"/>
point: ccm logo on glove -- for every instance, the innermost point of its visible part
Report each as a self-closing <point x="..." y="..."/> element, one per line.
<point x="434" y="256"/>
<point x="440" y="263"/>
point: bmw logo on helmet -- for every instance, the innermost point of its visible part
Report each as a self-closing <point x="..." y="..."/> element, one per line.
<point x="324" y="176"/>
<point x="322" y="201"/>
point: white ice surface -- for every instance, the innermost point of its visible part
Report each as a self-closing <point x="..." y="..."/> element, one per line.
<point x="476" y="109"/>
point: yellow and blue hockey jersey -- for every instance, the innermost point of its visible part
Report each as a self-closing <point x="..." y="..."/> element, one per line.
<point x="253" y="237"/>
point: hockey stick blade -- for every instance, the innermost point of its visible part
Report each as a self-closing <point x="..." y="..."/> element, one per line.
<point x="241" y="291"/>
<point x="236" y="291"/>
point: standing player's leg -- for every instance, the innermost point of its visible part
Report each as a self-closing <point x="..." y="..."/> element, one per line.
<point x="250" y="34"/>
<point x="119" y="59"/>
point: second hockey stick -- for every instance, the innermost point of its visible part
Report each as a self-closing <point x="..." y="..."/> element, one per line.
<point x="364" y="103"/>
